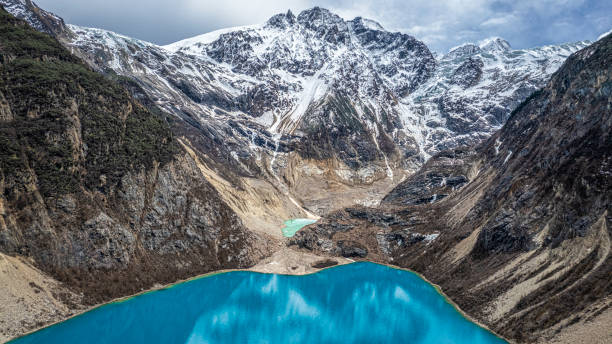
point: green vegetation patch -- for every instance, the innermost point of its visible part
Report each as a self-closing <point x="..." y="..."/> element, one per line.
<point x="71" y="125"/>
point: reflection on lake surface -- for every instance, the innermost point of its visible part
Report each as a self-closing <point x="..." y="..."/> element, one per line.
<point x="356" y="303"/>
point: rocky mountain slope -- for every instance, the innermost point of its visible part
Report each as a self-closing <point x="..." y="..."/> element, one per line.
<point x="95" y="189"/>
<point x="314" y="101"/>
<point x="517" y="229"/>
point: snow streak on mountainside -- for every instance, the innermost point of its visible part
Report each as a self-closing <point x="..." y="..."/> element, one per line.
<point x="371" y="100"/>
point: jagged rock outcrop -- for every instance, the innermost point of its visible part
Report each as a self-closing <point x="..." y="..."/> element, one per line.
<point x="521" y="238"/>
<point x="94" y="187"/>
<point x="439" y="177"/>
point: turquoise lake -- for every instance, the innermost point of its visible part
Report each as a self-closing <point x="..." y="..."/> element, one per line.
<point x="355" y="303"/>
<point x="294" y="225"/>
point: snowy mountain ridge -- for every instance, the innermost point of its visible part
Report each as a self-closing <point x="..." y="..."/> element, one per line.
<point x="287" y="65"/>
<point x="328" y="89"/>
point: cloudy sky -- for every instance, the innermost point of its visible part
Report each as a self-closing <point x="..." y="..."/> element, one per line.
<point x="442" y="24"/>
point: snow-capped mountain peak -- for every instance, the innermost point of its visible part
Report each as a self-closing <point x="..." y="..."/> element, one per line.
<point x="368" y="24"/>
<point x="604" y="35"/>
<point x="282" y="20"/>
<point x="38" y="18"/>
<point x="463" y="50"/>
<point x="317" y="74"/>
<point x="329" y="88"/>
<point x="494" y="44"/>
<point x="206" y="38"/>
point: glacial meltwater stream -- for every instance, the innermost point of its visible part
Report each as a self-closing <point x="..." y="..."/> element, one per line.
<point x="355" y="303"/>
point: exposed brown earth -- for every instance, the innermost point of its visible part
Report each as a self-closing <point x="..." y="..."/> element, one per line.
<point x="327" y="185"/>
<point x="594" y="329"/>
<point x="288" y="261"/>
<point x="30" y="299"/>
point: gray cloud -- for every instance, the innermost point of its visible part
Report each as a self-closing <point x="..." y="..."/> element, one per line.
<point x="441" y="24"/>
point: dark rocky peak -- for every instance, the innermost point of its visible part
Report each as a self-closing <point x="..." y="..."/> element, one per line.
<point x="462" y="51"/>
<point x="318" y="16"/>
<point x="385" y="40"/>
<point x="38" y="18"/>
<point x="282" y="20"/>
<point x="396" y="54"/>
<point x="495" y="44"/>
<point x="291" y="17"/>
<point x="360" y="25"/>
<point x="325" y="24"/>
<point x="236" y="48"/>
<point x="373" y="36"/>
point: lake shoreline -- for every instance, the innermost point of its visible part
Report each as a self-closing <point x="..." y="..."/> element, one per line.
<point x="447" y="299"/>
<point x="156" y="288"/>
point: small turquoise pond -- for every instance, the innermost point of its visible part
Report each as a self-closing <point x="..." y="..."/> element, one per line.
<point x="294" y="225"/>
<point x="355" y="303"/>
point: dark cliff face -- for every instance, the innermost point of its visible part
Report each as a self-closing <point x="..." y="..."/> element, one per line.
<point x="468" y="73"/>
<point x="552" y="157"/>
<point x="94" y="187"/>
<point x="520" y="237"/>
